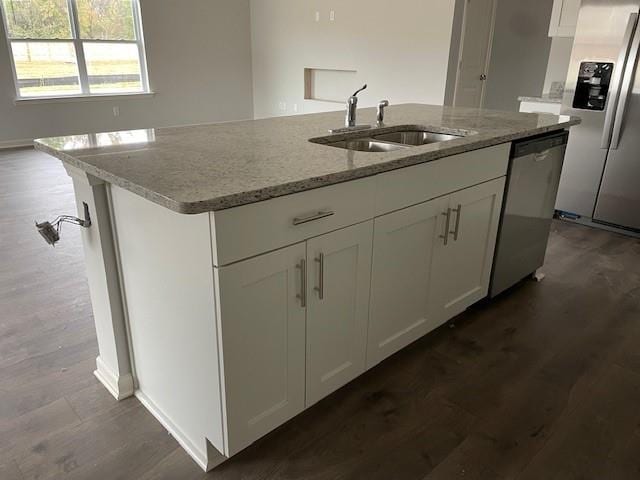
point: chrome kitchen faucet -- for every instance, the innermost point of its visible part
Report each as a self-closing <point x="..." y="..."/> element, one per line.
<point x="352" y="110"/>
<point x="352" y="106"/>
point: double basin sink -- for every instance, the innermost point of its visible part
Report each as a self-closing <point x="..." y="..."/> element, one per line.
<point x="392" y="141"/>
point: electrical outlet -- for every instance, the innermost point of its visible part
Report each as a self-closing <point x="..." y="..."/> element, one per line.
<point x="116" y="111"/>
<point x="317" y="16"/>
<point x="332" y="16"/>
<point x="283" y="106"/>
<point x="295" y="107"/>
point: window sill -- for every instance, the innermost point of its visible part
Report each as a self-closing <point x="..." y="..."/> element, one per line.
<point x="81" y="98"/>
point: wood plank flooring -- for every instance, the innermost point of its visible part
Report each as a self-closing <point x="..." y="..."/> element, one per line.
<point x="542" y="383"/>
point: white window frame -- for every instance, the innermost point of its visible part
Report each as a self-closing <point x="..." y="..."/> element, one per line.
<point x="78" y="44"/>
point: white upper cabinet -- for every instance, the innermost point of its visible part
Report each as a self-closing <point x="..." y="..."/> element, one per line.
<point x="403" y="248"/>
<point x="263" y="338"/>
<point x="564" y="18"/>
<point x="339" y="275"/>
<point x="462" y="264"/>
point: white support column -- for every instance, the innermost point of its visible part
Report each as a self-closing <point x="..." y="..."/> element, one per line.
<point x="114" y="368"/>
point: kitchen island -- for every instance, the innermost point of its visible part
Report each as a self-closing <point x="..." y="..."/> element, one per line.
<point x="241" y="272"/>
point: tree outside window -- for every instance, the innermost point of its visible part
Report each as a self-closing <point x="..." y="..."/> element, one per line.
<point x="75" y="47"/>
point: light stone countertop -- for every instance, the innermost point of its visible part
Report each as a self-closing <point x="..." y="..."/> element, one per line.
<point x="542" y="99"/>
<point x="203" y="168"/>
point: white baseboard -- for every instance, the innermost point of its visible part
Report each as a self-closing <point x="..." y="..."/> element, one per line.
<point x="198" y="455"/>
<point x="120" y="387"/>
<point x="25" y="142"/>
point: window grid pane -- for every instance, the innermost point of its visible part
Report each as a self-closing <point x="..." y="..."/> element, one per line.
<point x="113" y="67"/>
<point x="37" y="19"/>
<point x="106" y="19"/>
<point x="46" y="69"/>
<point x="103" y="56"/>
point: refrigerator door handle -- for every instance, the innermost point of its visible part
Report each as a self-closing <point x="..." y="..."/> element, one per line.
<point x="627" y="83"/>
<point x="616" y="81"/>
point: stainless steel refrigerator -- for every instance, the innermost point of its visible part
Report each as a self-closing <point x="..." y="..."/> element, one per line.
<point x="600" y="181"/>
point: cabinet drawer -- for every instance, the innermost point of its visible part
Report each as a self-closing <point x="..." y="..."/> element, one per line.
<point x="249" y="230"/>
<point x="412" y="185"/>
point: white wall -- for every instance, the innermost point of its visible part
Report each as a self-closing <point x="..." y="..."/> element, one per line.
<point x="400" y="49"/>
<point x="199" y="59"/>
<point x="520" y="52"/>
<point x="559" y="58"/>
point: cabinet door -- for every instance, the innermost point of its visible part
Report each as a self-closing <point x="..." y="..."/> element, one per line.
<point x="462" y="266"/>
<point x="338" y="308"/>
<point x="262" y="324"/>
<point x="564" y="18"/>
<point x="401" y="280"/>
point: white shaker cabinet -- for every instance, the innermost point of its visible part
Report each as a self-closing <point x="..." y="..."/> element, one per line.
<point x="339" y="273"/>
<point x="564" y="18"/>
<point x="463" y="258"/>
<point x="404" y="242"/>
<point x="263" y="339"/>
<point x="430" y="262"/>
<point x="294" y="328"/>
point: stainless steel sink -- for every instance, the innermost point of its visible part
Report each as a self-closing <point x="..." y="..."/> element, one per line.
<point x="367" y="145"/>
<point x="390" y="141"/>
<point x="415" y="137"/>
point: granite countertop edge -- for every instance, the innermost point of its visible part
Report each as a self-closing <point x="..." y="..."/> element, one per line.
<point x="253" y="196"/>
<point x="541" y="99"/>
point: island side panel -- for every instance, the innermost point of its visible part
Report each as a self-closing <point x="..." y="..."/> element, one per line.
<point x="168" y="279"/>
<point x="113" y="365"/>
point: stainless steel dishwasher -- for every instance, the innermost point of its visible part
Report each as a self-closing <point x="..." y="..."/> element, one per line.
<point x="532" y="187"/>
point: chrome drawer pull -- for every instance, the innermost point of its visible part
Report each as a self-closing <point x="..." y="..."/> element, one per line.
<point x="320" y="287"/>
<point x="445" y="237"/>
<point x="315" y="216"/>
<point x="302" y="296"/>
<point x="456" y="232"/>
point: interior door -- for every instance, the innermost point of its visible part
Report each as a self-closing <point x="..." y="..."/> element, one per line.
<point x="462" y="263"/>
<point x="619" y="196"/>
<point x="401" y="278"/>
<point x="475" y="48"/>
<point x="338" y="308"/>
<point x="263" y="337"/>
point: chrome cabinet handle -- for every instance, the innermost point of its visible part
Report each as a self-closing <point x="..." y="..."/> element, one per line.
<point x="320" y="287"/>
<point x="614" y="89"/>
<point x="456" y="231"/>
<point x="445" y="237"/>
<point x="627" y="81"/>
<point x="302" y="296"/>
<point x="315" y="216"/>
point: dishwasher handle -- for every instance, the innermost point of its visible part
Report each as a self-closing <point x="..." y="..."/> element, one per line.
<point x="542" y="155"/>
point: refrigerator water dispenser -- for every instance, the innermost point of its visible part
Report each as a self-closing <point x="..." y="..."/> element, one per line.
<point x="592" y="87"/>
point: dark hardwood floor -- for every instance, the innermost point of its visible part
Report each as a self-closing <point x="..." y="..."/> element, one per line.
<point x="543" y="383"/>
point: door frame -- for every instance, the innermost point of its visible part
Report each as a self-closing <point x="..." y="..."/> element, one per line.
<point x="494" y="10"/>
